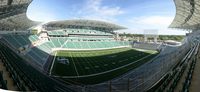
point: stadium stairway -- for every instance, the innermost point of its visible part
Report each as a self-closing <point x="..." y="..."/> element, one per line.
<point x="185" y="81"/>
<point x="179" y="79"/>
<point x="177" y="84"/>
<point x="13" y="72"/>
<point x="27" y="78"/>
<point x="6" y="81"/>
<point x="195" y="81"/>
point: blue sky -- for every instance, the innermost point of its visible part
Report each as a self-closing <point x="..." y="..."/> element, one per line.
<point x="136" y="15"/>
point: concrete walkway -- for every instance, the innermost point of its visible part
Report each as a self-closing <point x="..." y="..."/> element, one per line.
<point x="195" y="83"/>
<point x="6" y="76"/>
<point x="181" y="81"/>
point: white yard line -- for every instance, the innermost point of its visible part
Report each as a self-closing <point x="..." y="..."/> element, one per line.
<point x="53" y="63"/>
<point x="105" y="71"/>
<point x="86" y="60"/>
<point x="74" y="66"/>
<point x="143" y="50"/>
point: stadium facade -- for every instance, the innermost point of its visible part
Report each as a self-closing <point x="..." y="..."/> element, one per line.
<point x="29" y="57"/>
<point x="13" y="15"/>
<point x="36" y="51"/>
<point x="187" y="15"/>
<point x="183" y="76"/>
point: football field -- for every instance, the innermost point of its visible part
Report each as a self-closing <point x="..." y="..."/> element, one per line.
<point x="89" y="67"/>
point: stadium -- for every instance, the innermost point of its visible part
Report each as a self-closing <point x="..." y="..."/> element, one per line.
<point x="81" y="55"/>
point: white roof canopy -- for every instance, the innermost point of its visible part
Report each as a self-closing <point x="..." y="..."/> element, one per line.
<point x="13" y="15"/>
<point x="83" y="23"/>
<point x="187" y="14"/>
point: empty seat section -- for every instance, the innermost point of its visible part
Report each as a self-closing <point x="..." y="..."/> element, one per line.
<point x="69" y="45"/>
<point x="50" y="44"/>
<point x="12" y="41"/>
<point x="43" y="55"/>
<point x="92" y="45"/>
<point x="56" y="42"/>
<point x="33" y="38"/>
<point x="77" y="45"/>
<point x="22" y="39"/>
<point x="35" y="57"/>
<point x="62" y="40"/>
<point x="45" y="47"/>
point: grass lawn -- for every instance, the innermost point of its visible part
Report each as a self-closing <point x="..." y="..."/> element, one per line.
<point x="90" y="67"/>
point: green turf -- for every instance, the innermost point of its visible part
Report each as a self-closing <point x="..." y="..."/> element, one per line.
<point x="83" y="63"/>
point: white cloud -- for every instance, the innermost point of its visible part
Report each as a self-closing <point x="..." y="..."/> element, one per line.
<point x="154" y="21"/>
<point x="160" y="31"/>
<point x="150" y="22"/>
<point x="94" y="9"/>
<point x="100" y="18"/>
<point x="42" y="17"/>
<point x="160" y="23"/>
<point x="90" y="9"/>
<point x="95" y="6"/>
<point x="36" y="15"/>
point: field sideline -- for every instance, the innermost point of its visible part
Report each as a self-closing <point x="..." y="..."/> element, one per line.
<point x="101" y="65"/>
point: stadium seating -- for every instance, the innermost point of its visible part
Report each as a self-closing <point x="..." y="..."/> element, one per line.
<point x="181" y="75"/>
<point x="38" y="55"/>
<point x="23" y="74"/>
<point x="85" y="31"/>
<point x="3" y="84"/>
<point x="56" y="33"/>
<point x="148" y="46"/>
<point x="14" y="41"/>
<point x="20" y="40"/>
<point x="56" y="42"/>
<point x="93" y="44"/>
<point x="78" y="39"/>
<point x="85" y="43"/>
<point x="33" y="38"/>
